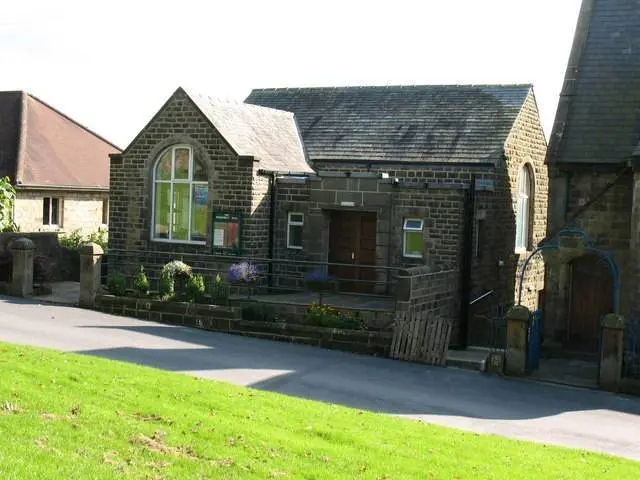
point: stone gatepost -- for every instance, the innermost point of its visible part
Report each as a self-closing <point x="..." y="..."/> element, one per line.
<point x="517" y="327"/>
<point x="612" y="351"/>
<point x="22" y="280"/>
<point x="90" y="263"/>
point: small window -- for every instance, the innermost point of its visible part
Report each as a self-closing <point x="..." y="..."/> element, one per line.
<point x="105" y="212"/>
<point x="226" y="232"/>
<point x="51" y="211"/>
<point x="481" y="235"/>
<point x="295" y="222"/>
<point x="412" y="245"/>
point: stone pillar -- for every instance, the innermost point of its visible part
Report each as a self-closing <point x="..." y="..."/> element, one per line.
<point x="22" y="280"/>
<point x="633" y="275"/>
<point x="516" y="355"/>
<point x="90" y="262"/>
<point x="612" y="351"/>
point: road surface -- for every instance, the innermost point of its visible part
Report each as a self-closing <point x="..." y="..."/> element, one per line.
<point x="469" y="400"/>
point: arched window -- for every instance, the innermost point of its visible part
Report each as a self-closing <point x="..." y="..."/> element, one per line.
<point x="180" y="196"/>
<point x="523" y="215"/>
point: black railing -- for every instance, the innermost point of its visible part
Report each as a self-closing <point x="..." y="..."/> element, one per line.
<point x="281" y="275"/>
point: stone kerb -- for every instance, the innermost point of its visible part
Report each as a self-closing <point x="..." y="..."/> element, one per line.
<point x="22" y="250"/>
<point x="90" y="265"/>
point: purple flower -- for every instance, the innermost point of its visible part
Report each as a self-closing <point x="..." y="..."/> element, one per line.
<point x="317" y="276"/>
<point x="244" y="272"/>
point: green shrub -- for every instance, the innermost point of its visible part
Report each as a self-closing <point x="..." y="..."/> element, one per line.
<point x="219" y="292"/>
<point x="73" y="240"/>
<point x="141" y="283"/>
<point x="101" y="237"/>
<point x="327" y="316"/>
<point x="195" y="288"/>
<point x="259" y="312"/>
<point x="117" y="284"/>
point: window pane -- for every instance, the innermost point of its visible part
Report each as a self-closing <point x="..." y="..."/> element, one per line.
<point x="182" y="164"/>
<point x="45" y="211"/>
<point x="296" y="217"/>
<point x="162" y="210"/>
<point x="163" y="170"/>
<point x="55" y="212"/>
<point x="413" y="243"/>
<point x="180" y="224"/>
<point x="199" y="172"/>
<point x="199" y="212"/>
<point x="413" y="224"/>
<point x="295" y="236"/>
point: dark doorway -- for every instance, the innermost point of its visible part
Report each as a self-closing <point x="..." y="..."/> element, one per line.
<point x="352" y="243"/>
<point x="591" y="298"/>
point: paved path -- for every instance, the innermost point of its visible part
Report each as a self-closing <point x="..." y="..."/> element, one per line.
<point x="470" y="400"/>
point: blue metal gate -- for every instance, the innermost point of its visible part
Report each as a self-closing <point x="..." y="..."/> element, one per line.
<point x="534" y="337"/>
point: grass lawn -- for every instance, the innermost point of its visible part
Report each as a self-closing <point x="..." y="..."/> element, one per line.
<point x="65" y="416"/>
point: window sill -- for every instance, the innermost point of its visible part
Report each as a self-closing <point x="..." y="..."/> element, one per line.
<point x="521" y="251"/>
<point x="413" y="257"/>
<point x="178" y="242"/>
<point x="291" y="247"/>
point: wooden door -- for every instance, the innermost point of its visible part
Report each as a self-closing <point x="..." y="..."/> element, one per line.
<point x="591" y="298"/>
<point x="352" y="243"/>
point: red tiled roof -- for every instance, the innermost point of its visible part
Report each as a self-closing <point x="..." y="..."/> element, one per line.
<point x="54" y="150"/>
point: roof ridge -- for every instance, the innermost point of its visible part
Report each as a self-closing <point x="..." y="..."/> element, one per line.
<point x="75" y="122"/>
<point x="213" y="100"/>
<point x="400" y="86"/>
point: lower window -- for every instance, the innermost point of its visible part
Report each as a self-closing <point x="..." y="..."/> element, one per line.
<point x="51" y="211"/>
<point x="412" y="242"/>
<point x="295" y="222"/>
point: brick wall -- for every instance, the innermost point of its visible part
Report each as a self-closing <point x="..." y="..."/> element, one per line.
<point x="80" y="210"/>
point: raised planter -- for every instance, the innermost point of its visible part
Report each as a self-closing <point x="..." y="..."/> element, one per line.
<point x="228" y="320"/>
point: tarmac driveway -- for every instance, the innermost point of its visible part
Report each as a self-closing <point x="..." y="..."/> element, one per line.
<point x="473" y="401"/>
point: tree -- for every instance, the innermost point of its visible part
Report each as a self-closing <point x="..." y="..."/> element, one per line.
<point x="7" y="199"/>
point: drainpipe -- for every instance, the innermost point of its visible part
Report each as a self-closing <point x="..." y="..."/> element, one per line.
<point x="272" y="226"/>
<point x="467" y="264"/>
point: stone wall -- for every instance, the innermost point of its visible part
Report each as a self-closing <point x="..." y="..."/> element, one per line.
<point x="80" y="210"/>
<point x="607" y="221"/>
<point x="64" y="262"/>
<point x="234" y="187"/>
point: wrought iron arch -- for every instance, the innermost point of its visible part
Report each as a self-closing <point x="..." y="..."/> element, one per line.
<point x="555" y="244"/>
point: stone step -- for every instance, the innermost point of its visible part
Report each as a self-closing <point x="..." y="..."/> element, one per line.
<point x="473" y="358"/>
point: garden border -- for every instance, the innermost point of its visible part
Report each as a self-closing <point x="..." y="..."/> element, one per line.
<point x="227" y="319"/>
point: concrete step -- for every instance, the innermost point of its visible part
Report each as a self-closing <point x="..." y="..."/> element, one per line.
<point x="473" y="358"/>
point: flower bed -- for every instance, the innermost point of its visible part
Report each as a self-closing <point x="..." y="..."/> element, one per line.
<point x="228" y="319"/>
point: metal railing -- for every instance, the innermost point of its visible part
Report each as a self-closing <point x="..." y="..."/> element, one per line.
<point x="279" y="275"/>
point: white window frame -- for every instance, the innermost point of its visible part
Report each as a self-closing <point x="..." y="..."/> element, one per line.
<point x="58" y="222"/>
<point x="292" y="223"/>
<point x="172" y="181"/>
<point x="523" y="208"/>
<point x="406" y="228"/>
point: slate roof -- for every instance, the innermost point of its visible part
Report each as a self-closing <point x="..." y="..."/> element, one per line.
<point x="270" y="136"/>
<point x="40" y="146"/>
<point x="427" y="123"/>
<point x="598" y="118"/>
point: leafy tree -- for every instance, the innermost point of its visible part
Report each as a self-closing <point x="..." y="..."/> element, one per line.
<point x="7" y="199"/>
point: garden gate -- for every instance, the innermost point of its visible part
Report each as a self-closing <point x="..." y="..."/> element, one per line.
<point x="421" y="337"/>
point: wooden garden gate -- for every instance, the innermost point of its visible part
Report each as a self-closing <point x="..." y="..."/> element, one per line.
<point x="421" y="337"/>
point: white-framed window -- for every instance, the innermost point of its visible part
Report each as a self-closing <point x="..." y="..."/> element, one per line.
<point x="51" y="214"/>
<point x="180" y="197"/>
<point x="523" y="213"/>
<point x="412" y="242"/>
<point x="105" y="212"/>
<point x="295" y="223"/>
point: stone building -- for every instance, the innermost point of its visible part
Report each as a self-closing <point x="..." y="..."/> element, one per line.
<point x="359" y="181"/>
<point x="59" y="168"/>
<point x="594" y="182"/>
